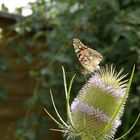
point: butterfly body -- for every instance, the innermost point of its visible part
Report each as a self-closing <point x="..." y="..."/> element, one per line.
<point x="88" y="57"/>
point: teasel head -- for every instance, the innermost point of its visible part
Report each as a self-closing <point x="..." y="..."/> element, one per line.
<point x="96" y="102"/>
<point x="95" y="113"/>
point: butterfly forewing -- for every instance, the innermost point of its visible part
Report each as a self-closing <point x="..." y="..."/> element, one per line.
<point x="88" y="57"/>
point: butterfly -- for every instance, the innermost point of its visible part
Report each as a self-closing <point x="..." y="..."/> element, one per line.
<point x="88" y="57"/>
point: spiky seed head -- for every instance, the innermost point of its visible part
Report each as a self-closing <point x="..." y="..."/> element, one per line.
<point x="96" y="102"/>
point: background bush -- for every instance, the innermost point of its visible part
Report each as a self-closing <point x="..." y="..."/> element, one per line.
<point x="110" y="27"/>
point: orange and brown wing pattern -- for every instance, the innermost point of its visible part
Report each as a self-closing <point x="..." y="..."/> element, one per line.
<point x="88" y="57"/>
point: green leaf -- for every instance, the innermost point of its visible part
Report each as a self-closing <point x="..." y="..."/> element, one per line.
<point x="65" y="83"/>
<point x="53" y="118"/>
<point x="130" y="128"/>
<point x="68" y="98"/>
<point x="56" y="110"/>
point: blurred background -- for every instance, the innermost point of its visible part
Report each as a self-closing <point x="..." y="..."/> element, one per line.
<point x="36" y="40"/>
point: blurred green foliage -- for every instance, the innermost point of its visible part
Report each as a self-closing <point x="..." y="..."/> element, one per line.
<point x="110" y="27"/>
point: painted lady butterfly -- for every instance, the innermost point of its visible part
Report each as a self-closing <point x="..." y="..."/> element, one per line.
<point x="88" y="57"/>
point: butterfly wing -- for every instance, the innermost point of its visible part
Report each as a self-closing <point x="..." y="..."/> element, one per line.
<point x="92" y="60"/>
<point x="88" y="57"/>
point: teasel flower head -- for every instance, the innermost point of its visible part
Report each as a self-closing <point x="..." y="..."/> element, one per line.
<point x="96" y="102"/>
<point x="95" y="113"/>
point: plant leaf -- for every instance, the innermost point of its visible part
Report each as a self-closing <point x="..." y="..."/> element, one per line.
<point x="53" y="118"/>
<point x="65" y="83"/>
<point x="130" y="128"/>
<point x="54" y="106"/>
<point x="67" y="103"/>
